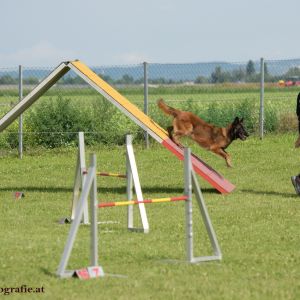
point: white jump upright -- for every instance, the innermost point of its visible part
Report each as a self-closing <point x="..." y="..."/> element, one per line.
<point x="192" y="185"/>
<point x="132" y="180"/>
<point x="80" y="176"/>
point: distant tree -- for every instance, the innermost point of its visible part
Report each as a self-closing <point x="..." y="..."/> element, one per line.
<point x="266" y="71"/>
<point x="201" y="79"/>
<point x="171" y="81"/>
<point x="160" y="80"/>
<point x="127" y="79"/>
<point x="139" y="81"/>
<point x="31" y="80"/>
<point x="72" y="80"/>
<point x="7" y="79"/>
<point x="267" y="76"/>
<point x="66" y="80"/>
<point x="295" y="71"/>
<point x="218" y="76"/>
<point x="250" y="69"/>
<point x="78" y="80"/>
<point x="238" y="74"/>
<point x="107" y="78"/>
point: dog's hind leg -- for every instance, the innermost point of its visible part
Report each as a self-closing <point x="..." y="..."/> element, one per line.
<point x="170" y="131"/>
<point x="181" y="128"/>
<point x="176" y="136"/>
<point x="221" y="152"/>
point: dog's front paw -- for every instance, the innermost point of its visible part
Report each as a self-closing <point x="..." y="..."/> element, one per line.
<point x="178" y="144"/>
<point x="228" y="163"/>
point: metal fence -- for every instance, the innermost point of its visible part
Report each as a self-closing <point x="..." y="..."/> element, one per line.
<point x="270" y="85"/>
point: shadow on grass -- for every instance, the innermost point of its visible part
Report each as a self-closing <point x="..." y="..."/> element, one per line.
<point x="48" y="273"/>
<point x="36" y="189"/>
<point x="117" y="190"/>
<point x="270" y="193"/>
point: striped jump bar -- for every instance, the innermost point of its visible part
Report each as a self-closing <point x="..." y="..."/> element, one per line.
<point x="111" y="174"/>
<point x="108" y="174"/>
<point x="146" y="201"/>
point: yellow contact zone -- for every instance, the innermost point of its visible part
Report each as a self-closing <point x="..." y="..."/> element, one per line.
<point x="134" y="110"/>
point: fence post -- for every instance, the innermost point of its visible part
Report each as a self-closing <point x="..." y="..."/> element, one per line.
<point x="20" y="149"/>
<point x="146" y="99"/>
<point x="261" y="106"/>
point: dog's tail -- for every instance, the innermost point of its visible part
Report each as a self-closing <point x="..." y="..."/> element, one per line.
<point x="167" y="109"/>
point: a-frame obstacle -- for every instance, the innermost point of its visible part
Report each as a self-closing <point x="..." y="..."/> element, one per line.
<point x="129" y="109"/>
<point x="132" y="180"/>
<point x="90" y="188"/>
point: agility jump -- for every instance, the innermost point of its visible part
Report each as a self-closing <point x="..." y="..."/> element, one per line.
<point x="129" y="109"/>
<point x="90" y="189"/>
<point x="132" y="180"/>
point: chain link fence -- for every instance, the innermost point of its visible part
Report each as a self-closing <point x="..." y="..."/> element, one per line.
<point x="216" y="91"/>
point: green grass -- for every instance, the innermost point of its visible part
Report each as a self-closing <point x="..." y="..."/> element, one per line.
<point x="257" y="226"/>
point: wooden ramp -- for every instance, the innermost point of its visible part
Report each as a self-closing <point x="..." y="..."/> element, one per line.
<point x="129" y="109"/>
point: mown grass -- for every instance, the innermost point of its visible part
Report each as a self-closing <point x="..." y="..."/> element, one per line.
<point x="257" y="226"/>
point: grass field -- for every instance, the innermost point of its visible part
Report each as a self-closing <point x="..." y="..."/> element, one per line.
<point x="202" y="94"/>
<point x="257" y="226"/>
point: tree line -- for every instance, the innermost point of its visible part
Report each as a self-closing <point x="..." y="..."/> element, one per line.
<point x="247" y="74"/>
<point x="242" y="74"/>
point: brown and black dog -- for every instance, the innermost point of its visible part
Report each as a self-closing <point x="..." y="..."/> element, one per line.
<point x="208" y="136"/>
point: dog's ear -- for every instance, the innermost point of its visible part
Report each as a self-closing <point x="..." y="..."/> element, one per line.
<point x="241" y="120"/>
<point x="236" y="121"/>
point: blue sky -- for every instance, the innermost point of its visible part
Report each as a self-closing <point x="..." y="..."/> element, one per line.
<point x="116" y="32"/>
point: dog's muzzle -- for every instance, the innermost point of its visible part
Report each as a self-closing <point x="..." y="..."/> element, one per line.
<point x="243" y="136"/>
